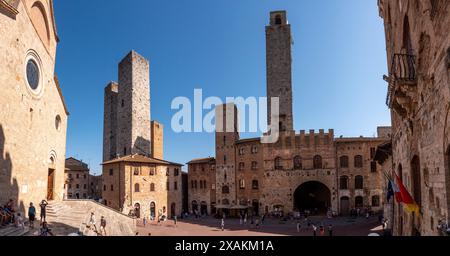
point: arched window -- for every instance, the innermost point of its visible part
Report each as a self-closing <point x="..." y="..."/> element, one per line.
<point x="298" y="163"/>
<point x="375" y="201"/>
<point x="317" y="162"/>
<point x="242" y="184"/>
<point x="136" y="187"/>
<point x="358" y="161"/>
<point x="359" y="182"/>
<point x="225" y="190"/>
<point x="417" y="180"/>
<point x="359" y="201"/>
<point x="255" y="185"/>
<point x="254" y="165"/>
<point x="344" y="161"/>
<point x="278" y="164"/>
<point x="152" y="187"/>
<point x="343" y="182"/>
<point x="241" y="166"/>
<point x="195" y="184"/>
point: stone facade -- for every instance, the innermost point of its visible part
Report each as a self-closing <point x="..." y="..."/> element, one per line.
<point x="202" y="186"/>
<point x="418" y="54"/>
<point x="268" y="178"/>
<point x="33" y="116"/>
<point x="143" y="186"/>
<point x="127" y="127"/>
<point x="157" y="140"/>
<point x="77" y="183"/>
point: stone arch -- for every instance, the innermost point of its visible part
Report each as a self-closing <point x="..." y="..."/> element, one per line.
<point x="152" y="210"/>
<point x="137" y="210"/>
<point x="40" y="20"/>
<point x="312" y="195"/>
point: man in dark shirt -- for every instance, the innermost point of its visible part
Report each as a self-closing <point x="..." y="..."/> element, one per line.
<point x="43" y="206"/>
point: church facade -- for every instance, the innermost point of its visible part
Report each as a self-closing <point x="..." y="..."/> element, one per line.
<point x="33" y="115"/>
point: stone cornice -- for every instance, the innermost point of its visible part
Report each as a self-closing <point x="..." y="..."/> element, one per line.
<point x="8" y="7"/>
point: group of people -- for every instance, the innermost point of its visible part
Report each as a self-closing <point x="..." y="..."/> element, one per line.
<point x="10" y="216"/>
<point x="315" y="228"/>
<point x="93" y="225"/>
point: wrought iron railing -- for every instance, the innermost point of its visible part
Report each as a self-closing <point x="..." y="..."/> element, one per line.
<point x="403" y="70"/>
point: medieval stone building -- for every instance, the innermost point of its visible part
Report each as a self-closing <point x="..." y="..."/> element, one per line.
<point x="33" y="115"/>
<point x="302" y="171"/>
<point x="201" y="185"/>
<point x="418" y="54"/>
<point x="135" y="177"/>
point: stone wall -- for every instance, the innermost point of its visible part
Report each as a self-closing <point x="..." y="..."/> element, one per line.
<point x="117" y="223"/>
<point x="419" y="108"/>
<point x="201" y="185"/>
<point x="110" y="121"/>
<point x="33" y="122"/>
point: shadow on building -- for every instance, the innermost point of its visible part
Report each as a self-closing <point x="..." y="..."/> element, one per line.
<point x="9" y="187"/>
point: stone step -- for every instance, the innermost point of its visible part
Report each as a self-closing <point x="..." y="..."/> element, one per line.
<point x="20" y="232"/>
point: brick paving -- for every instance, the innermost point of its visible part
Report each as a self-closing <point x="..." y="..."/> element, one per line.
<point x="272" y="227"/>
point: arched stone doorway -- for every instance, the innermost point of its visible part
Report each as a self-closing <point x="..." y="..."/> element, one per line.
<point x="194" y="206"/>
<point x="255" y="206"/>
<point x="153" y="210"/>
<point x="312" y="196"/>
<point x="137" y="210"/>
<point x="345" y="205"/>
<point x="203" y="208"/>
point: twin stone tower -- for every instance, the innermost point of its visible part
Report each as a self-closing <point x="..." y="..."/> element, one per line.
<point x="128" y="128"/>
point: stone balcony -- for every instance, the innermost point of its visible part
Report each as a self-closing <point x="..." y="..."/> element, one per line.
<point x="402" y="84"/>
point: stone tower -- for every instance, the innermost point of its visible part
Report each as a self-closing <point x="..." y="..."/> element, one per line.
<point x="279" y="73"/>
<point x="133" y="110"/>
<point x="226" y="137"/>
<point x="157" y="138"/>
<point x="110" y="121"/>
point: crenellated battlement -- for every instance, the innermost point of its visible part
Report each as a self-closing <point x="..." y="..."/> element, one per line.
<point x="313" y="138"/>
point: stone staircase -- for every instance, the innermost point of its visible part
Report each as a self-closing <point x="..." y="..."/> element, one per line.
<point x="72" y="217"/>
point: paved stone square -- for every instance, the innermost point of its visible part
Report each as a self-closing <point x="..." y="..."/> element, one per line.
<point x="343" y="226"/>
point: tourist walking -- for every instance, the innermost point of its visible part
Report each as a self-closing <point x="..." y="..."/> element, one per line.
<point x="103" y="226"/>
<point x="314" y="230"/>
<point x="222" y="224"/>
<point x="175" y="220"/>
<point x="298" y="226"/>
<point x="322" y="230"/>
<point x="245" y="219"/>
<point x="92" y="222"/>
<point x="43" y="206"/>
<point x="257" y="223"/>
<point x="330" y="230"/>
<point x="31" y="215"/>
<point x="144" y="221"/>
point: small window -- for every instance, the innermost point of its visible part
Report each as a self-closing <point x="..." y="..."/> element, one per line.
<point x="344" y="161"/>
<point x="112" y="187"/>
<point x="123" y="103"/>
<point x="255" y="185"/>
<point x="124" y="151"/>
<point x="152" y="171"/>
<point x="358" y="161"/>
<point x="317" y="162"/>
<point x="343" y="182"/>
<point x="136" y="187"/>
<point x="104" y="187"/>
<point x="297" y="163"/>
<point x="278" y="20"/>
<point x="175" y="185"/>
<point x="136" y="171"/>
<point x="278" y="164"/>
<point x="167" y="186"/>
<point x="242" y="184"/>
<point x="152" y="187"/>
<point x="78" y="176"/>
<point x="58" y="123"/>
<point x="70" y="175"/>
<point x="373" y="166"/>
<point x="176" y="172"/>
<point x="375" y="201"/>
<point x="359" y="182"/>
<point x="111" y="172"/>
<point x="241" y="166"/>
<point x="84" y="176"/>
<point x="84" y="186"/>
<point x="254" y="165"/>
<point x="78" y="185"/>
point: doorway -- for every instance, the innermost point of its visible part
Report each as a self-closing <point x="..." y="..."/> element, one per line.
<point x="345" y="205"/>
<point x="50" y="184"/>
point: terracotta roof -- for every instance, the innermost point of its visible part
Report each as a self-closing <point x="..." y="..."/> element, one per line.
<point x="201" y="160"/>
<point x="140" y="159"/>
<point x="248" y="140"/>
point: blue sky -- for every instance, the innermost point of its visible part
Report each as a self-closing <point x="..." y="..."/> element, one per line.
<point x="219" y="46"/>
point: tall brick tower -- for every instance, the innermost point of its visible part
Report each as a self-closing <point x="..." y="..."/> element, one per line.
<point x="110" y="121"/>
<point x="279" y="73"/>
<point x="226" y="137"/>
<point x="133" y="110"/>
